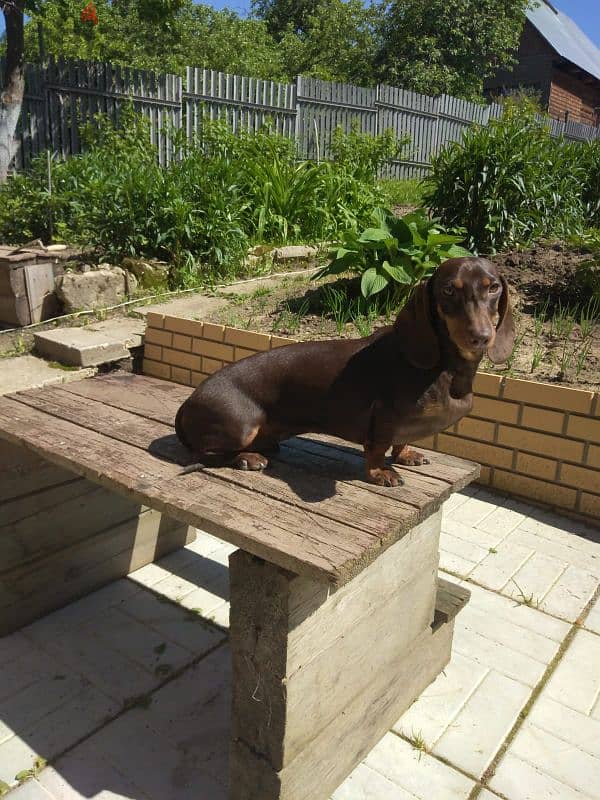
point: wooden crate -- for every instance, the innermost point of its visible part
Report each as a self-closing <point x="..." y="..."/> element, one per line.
<point x="26" y="288"/>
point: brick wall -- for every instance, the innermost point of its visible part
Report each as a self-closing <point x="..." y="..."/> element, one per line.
<point x="535" y="440"/>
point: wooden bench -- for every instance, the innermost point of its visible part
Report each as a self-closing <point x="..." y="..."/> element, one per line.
<point x="338" y="620"/>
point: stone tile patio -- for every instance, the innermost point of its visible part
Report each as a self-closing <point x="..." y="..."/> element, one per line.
<point x="125" y="693"/>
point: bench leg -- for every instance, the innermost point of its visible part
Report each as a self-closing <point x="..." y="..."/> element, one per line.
<point x="320" y="674"/>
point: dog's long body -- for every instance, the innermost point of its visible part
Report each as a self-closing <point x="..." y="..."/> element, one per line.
<point x="403" y="383"/>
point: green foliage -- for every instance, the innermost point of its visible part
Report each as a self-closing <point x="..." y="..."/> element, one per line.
<point x="223" y="192"/>
<point x="362" y="154"/>
<point x="510" y="182"/>
<point x="401" y="192"/>
<point x="433" y="46"/>
<point x="588" y="157"/>
<point x="394" y="255"/>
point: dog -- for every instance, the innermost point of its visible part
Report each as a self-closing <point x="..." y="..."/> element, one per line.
<point x="406" y="381"/>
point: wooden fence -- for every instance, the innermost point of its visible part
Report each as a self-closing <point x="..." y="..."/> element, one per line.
<point x="63" y="94"/>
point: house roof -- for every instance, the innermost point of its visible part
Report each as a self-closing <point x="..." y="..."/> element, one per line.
<point x="564" y="36"/>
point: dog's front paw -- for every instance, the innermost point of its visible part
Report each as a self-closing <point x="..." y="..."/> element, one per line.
<point x="410" y="458"/>
<point x="250" y="461"/>
<point x="384" y="477"/>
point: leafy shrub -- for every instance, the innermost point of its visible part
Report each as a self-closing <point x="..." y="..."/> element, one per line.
<point x="509" y="182"/>
<point x="364" y="155"/>
<point x="589" y="157"/>
<point x="396" y="254"/>
<point x="403" y="192"/>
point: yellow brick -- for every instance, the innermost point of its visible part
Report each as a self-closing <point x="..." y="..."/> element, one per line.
<point x="596" y="410"/>
<point x="485" y="476"/>
<point x="181" y="375"/>
<point x="476" y="429"/>
<point x="486" y="383"/>
<point x="249" y="339"/>
<point x="198" y="378"/>
<point x="210" y="365"/>
<point x="580" y="477"/>
<point x="156" y="369"/>
<point x="154" y="320"/>
<point x="182" y="342"/>
<point x="536" y="466"/>
<point x="540" y="443"/>
<point x="590" y="504"/>
<point x="203" y="347"/>
<point x="543" y="394"/>
<point x="152" y="351"/>
<point x="280" y="341"/>
<point x="156" y="336"/>
<point x="474" y="451"/>
<point x="241" y="352"/>
<point x="213" y="332"/>
<point x="187" y="327"/>
<point x="593" y="456"/>
<point x="495" y="410"/>
<point x="540" y="419"/>
<point x="180" y="359"/>
<point x="534" y="489"/>
<point x="584" y="428"/>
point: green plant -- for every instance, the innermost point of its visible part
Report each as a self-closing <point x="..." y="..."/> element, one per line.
<point x="403" y="192"/>
<point x="396" y="254"/>
<point x="509" y="182"/>
<point x="335" y="302"/>
<point x="363" y="154"/>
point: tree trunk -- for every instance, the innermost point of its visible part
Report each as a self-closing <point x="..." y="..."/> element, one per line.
<point x="11" y="97"/>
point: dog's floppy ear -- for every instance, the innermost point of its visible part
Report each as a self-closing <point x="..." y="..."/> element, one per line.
<point x="417" y="338"/>
<point x="504" y="341"/>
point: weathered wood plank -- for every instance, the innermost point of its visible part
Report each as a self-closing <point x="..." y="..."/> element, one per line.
<point x="32" y="590"/>
<point x="23" y="473"/>
<point x="336" y="749"/>
<point x="320" y="647"/>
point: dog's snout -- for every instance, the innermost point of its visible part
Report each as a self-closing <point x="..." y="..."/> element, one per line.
<point x="481" y="338"/>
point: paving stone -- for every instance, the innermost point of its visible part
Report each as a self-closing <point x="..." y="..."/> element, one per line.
<point x="455" y="565"/>
<point x="518" y="780"/>
<point x="204" y="543"/>
<point x="571" y="726"/>
<point x="30" y="790"/>
<point x="476" y="509"/>
<point x="535" y="578"/>
<point x="435" y="709"/>
<point x="501" y="522"/>
<point x="92" y="345"/>
<point x="554" y="527"/>
<point x="13" y="646"/>
<point x="16" y="754"/>
<point x="473" y="553"/>
<point x="83" y="774"/>
<point x="23" y="671"/>
<point x="576" y="680"/>
<point x="592" y="622"/>
<point x="417" y="772"/>
<point x="454" y="501"/>
<point x="558" y="758"/>
<point x="173" y="622"/>
<point x="468" y="533"/>
<point x="485" y="794"/>
<point x="367" y="784"/>
<point x="496" y="570"/>
<point x="570" y="594"/>
<point x="568" y="548"/>
<point x="483" y="723"/>
<point x="30" y="372"/>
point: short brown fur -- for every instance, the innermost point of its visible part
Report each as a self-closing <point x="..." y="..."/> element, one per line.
<point x="404" y="382"/>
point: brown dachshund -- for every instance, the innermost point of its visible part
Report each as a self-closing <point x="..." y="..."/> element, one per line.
<point x="404" y="382"/>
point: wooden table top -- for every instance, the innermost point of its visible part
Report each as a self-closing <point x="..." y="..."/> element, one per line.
<point x="309" y="512"/>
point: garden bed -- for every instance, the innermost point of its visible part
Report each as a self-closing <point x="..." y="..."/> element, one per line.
<point x="558" y="326"/>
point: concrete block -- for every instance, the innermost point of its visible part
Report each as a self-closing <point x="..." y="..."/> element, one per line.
<point x="100" y="343"/>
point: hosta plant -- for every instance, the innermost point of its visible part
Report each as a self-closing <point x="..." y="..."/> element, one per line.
<point x="396" y="253"/>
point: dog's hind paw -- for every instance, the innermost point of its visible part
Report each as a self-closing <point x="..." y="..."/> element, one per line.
<point x="384" y="477"/>
<point x="250" y="461"/>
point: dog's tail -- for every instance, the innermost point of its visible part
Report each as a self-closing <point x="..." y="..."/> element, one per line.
<point x="193" y="468"/>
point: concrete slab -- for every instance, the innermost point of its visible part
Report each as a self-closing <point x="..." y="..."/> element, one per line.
<point x="30" y="372"/>
<point x="99" y="343"/>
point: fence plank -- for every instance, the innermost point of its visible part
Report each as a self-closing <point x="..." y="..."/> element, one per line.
<point x="62" y="95"/>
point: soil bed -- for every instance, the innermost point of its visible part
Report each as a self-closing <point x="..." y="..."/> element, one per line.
<point x="558" y="327"/>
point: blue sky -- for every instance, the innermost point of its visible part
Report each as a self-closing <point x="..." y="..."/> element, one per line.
<point x="584" y="12"/>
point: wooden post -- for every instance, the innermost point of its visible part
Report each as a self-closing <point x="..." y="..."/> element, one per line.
<point x="320" y="674"/>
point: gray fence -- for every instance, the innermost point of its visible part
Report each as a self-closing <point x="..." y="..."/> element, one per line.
<point x="61" y="95"/>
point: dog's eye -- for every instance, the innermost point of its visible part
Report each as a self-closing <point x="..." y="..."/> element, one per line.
<point x="494" y="287"/>
<point x="448" y="291"/>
